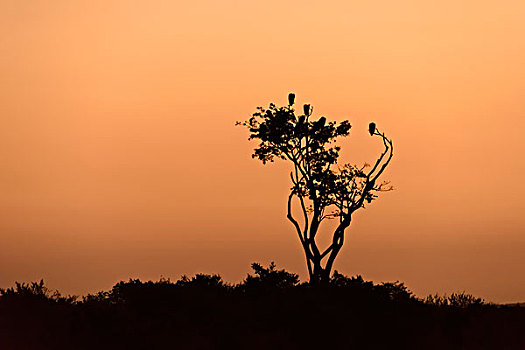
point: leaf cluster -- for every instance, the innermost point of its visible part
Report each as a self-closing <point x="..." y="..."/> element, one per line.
<point x="311" y="146"/>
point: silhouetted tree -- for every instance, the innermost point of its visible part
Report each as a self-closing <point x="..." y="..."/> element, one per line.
<point x="324" y="188"/>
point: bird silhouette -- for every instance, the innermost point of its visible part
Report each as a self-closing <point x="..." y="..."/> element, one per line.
<point x="306" y="109"/>
<point x="291" y="99"/>
<point x="372" y="128"/>
<point x="322" y="121"/>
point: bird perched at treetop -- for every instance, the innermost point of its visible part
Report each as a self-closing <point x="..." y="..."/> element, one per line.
<point x="372" y="128"/>
<point x="306" y="109"/>
<point x="291" y="98"/>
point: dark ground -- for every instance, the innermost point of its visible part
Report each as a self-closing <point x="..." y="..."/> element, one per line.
<point x="269" y="310"/>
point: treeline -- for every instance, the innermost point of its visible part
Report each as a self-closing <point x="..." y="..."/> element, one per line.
<point x="270" y="309"/>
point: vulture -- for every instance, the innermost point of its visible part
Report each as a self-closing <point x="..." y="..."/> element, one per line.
<point x="306" y="109"/>
<point x="291" y="99"/>
<point x="372" y="128"/>
<point x="321" y="122"/>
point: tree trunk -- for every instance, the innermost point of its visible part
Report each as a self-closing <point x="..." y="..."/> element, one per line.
<point x="319" y="276"/>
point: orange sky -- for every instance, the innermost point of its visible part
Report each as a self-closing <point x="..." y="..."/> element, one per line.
<point x="119" y="157"/>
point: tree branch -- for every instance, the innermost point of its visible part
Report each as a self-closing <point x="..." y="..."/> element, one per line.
<point x="292" y="220"/>
<point x="337" y="242"/>
<point x="369" y="184"/>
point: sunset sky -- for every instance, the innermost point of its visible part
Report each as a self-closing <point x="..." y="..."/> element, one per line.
<point x="119" y="156"/>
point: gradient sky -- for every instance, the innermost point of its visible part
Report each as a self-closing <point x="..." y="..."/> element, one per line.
<point x="119" y="156"/>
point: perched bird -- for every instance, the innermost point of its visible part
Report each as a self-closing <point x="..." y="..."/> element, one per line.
<point x="291" y="98"/>
<point x="372" y="128"/>
<point x="306" y="109"/>
<point x="322" y="121"/>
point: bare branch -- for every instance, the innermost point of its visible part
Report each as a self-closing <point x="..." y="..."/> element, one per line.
<point x="291" y="218"/>
<point x="305" y="213"/>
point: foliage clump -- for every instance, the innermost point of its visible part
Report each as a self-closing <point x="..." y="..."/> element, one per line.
<point x="270" y="308"/>
<point x="454" y="300"/>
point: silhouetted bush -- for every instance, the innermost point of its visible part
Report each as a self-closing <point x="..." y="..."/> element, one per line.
<point x="457" y="300"/>
<point x="33" y="292"/>
<point x="269" y="309"/>
<point x="268" y="280"/>
<point x="202" y="281"/>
